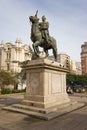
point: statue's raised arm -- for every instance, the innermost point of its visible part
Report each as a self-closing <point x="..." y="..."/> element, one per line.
<point x="36" y="13"/>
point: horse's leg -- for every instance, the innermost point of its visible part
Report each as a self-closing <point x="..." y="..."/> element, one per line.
<point x="46" y="51"/>
<point x="35" y="47"/>
<point x="55" y="53"/>
<point x="35" y="50"/>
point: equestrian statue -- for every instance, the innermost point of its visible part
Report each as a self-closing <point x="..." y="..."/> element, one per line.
<point x="40" y="36"/>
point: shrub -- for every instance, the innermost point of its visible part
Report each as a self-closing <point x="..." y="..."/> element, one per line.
<point x="8" y="91"/>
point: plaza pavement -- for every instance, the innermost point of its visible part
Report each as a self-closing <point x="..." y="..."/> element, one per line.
<point x="75" y="120"/>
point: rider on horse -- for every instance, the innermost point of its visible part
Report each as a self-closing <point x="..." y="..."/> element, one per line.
<point x="44" y="25"/>
<point x="40" y="36"/>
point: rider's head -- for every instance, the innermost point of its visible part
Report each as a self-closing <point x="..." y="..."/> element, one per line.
<point x="43" y="18"/>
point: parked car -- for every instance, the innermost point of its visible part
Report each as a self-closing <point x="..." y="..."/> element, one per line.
<point x="78" y="88"/>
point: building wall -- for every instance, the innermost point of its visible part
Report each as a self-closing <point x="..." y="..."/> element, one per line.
<point x="84" y="58"/>
<point x="12" y="54"/>
<point x="78" y="68"/>
<point x="66" y="61"/>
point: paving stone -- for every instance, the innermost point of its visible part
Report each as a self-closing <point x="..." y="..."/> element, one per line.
<point x="75" y="120"/>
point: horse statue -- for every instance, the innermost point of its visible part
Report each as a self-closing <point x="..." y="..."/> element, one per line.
<point x="38" y="40"/>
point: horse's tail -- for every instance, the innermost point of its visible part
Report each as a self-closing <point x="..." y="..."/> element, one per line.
<point x="53" y="42"/>
<point x="54" y="47"/>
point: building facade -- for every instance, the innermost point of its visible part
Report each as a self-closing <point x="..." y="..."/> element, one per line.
<point x="78" y="68"/>
<point x="12" y="54"/>
<point x="84" y="58"/>
<point x="66" y="61"/>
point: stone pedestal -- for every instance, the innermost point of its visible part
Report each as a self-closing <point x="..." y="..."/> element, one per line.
<point x="46" y="84"/>
<point x="46" y="96"/>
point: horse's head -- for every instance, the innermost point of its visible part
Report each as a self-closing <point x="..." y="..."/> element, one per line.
<point x="35" y="32"/>
<point x="33" y="19"/>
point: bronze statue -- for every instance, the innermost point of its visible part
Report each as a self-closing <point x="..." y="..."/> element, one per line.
<point x="40" y="36"/>
<point x="44" y="26"/>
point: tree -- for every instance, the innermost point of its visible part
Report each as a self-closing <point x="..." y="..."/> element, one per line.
<point x="72" y="78"/>
<point x="6" y="78"/>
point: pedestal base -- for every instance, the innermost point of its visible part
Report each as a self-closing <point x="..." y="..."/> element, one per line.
<point x="45" y="114"/>
<point x="46" y="95"/>
<point x="46" y="84"/>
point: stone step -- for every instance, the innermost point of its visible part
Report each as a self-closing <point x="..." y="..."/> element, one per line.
<point x="65" y="104"/>
<point x="26" y="112"/>
<point x="31" y="108"/>
<point x="43" y="115"/>
<point x="43" y="110"/>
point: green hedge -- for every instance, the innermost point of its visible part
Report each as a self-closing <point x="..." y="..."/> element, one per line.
<point x="8" y="91"/>
<point x="71" y="78"/>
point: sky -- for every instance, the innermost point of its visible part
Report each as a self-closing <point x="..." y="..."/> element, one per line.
<point x="67" y="22"/>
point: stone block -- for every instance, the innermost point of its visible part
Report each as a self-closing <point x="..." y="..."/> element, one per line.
<point x="46" y="84"/>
